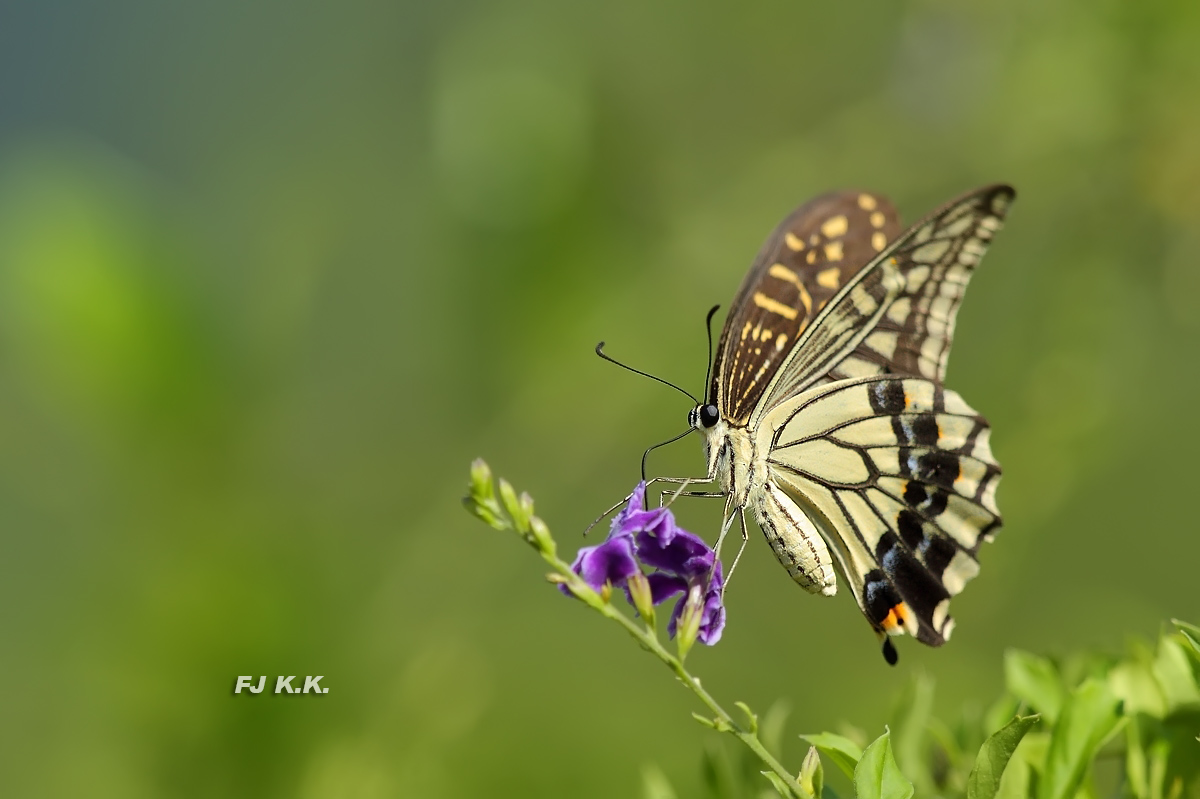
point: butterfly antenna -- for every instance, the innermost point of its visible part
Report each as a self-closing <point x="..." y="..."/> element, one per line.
<point x="600" y="352"/>
<point x="708" y="323"/>
<point x="661" y="444"/>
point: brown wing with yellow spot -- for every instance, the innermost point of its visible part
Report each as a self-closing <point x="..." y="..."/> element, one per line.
<point x="896" y="315"/>
<point x="936" y="260"/>
<point x="811" y="255"/>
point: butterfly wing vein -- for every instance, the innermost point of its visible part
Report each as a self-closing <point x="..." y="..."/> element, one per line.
<point x="832" y="360"/>
<point x="899" y="481"/>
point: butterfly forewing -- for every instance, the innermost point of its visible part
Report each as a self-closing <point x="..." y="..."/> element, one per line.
<point x="901" y="475"/>
<point x="936" y="261"/>
<point x="846" y="322"/>
<point x="808" y="258"/>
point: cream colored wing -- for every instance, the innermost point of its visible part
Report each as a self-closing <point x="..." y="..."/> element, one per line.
<point x="897" y="476"/>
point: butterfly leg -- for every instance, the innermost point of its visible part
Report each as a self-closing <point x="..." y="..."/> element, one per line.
<point x="741" y="549"/>
<point x="605" y="515"/>
<point x="683" y="483"/>
<point x="664" y="503"/>
<point x="725" y="525"/>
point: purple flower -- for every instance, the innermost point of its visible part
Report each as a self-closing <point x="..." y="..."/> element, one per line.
<point x="633" y="519"/>
<point x="682" y="563"/>
<point x="675" y="551"/>
<point x="712" y="614"/>
<point x="610" y="562"/>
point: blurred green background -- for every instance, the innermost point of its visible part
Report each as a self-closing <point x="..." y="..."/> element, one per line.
<point x="272" y="274"/>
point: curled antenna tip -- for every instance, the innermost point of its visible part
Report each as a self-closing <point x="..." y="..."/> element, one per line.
<point x="610" y="359"/>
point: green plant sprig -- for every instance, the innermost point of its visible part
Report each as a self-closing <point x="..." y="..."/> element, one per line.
<point x="497" y="504"/>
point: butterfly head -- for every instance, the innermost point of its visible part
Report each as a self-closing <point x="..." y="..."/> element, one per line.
<point x="704" y="416"/>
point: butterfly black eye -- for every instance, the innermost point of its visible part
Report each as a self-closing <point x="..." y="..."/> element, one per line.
<point x="709" y="415"/>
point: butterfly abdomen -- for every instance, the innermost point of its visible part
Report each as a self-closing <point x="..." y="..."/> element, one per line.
<point x="795" y="540"/>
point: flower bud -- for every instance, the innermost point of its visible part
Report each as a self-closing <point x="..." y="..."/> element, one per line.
<point x="508" y="496"/>
<point x="484" y="511"/>
<point x="642" y="598"/>
<point x="481" y="480"/>
<point x="812" y="773"/>
<point x="539" y="534"/>
<point x="689" y="622"/>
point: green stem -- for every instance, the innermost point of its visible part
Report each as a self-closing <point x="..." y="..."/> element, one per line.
<point x="649" y="640"/>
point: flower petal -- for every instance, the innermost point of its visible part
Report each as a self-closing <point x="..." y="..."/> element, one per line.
<point x="712" y="618"/>
<point x="636" y="499"/>
<point x="712" y="621"/>
<point x="683" y="553"/>
<point x="610" y="562"/>
<point x="635" y="519"/>
<point x="663" y="586"/>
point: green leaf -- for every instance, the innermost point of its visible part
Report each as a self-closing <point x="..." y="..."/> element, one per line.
<point x="1191" y="632"/>
<point x="1135" y="684"/>
<point x="994" y="755"/>
<point x="877" y="776"/>
<point x="655" y="784"/>
<point x="1174" y="673"/>
<point x="1089" y="716"/>
<point x="910" y="728"/>
<point x="1035" y="681"/>
<point x="842" y="751"/>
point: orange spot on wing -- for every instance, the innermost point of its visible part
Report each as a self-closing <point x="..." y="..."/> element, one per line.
<point x="893" y="623"/>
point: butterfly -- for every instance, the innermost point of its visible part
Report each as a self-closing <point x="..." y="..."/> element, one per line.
<point x="827" y="417"/>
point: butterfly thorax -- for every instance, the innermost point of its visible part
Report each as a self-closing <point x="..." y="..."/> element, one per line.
<point x="734" y="460"/>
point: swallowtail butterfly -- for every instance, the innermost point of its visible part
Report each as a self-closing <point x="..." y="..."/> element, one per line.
<point x="827" y="417"/>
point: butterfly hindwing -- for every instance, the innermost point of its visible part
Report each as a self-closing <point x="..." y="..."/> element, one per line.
<point x="898" y="476"/>
<point x="910" y="325"/>
<point x="806" y="260"/>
